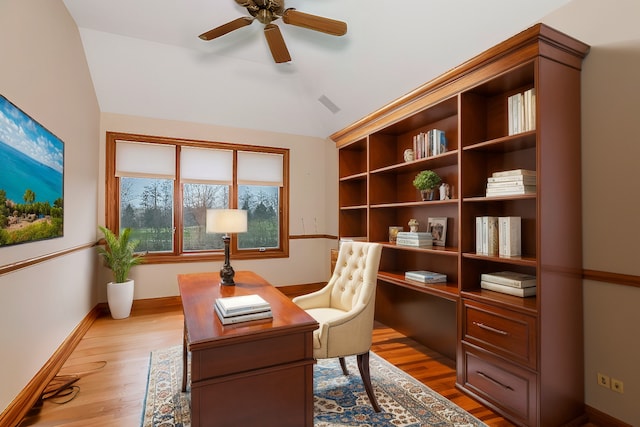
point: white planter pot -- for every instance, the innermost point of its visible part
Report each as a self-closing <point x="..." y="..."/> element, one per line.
<point x="120" y="299"/>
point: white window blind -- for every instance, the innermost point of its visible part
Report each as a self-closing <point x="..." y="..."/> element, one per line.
<point x="206" y="166"/>
<point x="260" y="168"/>
<point x="145" y="160"/>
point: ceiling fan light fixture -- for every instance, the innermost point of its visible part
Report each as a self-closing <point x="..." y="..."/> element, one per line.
<point x="267" y="11"/>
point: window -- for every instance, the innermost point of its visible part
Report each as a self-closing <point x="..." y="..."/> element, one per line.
<point x="162" y="187"/>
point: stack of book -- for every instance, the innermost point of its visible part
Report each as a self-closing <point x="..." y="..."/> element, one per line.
<point x="242" y="309"/>
<point x="509" y="282"/>
<point x="415" y="239"/>
<point x="511" y="182"/>
<point x="425" y="276"/>
<point x="428" y="144"/>
<point x="522" y="111"/>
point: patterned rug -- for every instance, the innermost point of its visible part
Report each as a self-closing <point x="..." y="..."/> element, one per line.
<point x="339" y="401"/>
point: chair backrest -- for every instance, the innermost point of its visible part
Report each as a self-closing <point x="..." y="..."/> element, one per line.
<point x="354" y="278"/>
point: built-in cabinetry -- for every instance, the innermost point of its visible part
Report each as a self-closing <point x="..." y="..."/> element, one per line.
<point x="521" y="356"/>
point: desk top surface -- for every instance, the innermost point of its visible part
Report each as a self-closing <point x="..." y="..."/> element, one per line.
<point x="199" y="292"/>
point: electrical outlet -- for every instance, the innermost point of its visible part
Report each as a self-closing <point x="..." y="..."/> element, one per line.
<point x="604" y="381"/>
<point x="617" y="385"/>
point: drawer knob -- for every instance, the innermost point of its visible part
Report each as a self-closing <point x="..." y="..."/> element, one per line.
<point x="488" y="378"/>
<point x="489" y="328"/>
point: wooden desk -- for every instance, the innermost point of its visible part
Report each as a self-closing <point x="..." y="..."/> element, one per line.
<point x="257" y="373"/>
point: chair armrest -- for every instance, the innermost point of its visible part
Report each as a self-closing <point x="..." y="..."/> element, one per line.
<point x="319" y="298"/>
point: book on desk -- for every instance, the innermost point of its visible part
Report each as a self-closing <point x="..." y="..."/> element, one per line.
<point x="242" y="308"/>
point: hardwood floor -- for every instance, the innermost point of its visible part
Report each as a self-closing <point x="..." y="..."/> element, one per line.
<point x="113" y="395"/>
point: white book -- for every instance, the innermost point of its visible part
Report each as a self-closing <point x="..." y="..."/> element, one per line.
<point x="509" y="235"/>
<point x="510" y="278"/>
<point x="228" y="320"/>
<point x="512" y="191"/>
<point x="514" y="172"/>
<point x="529" y="110"/>
<point x="415" y="235"/>
<point x="505" y="185"/>
<point x="479" y="238"/>
<point x="242" y="304"/>
<point x="425" y="276"/>
<point x="414" y="243"/>
<point x="513" y="179"/>
<point x="484" y="224"/>
<point x="519" y="292"/>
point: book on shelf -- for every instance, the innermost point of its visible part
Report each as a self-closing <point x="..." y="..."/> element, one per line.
<point x="514" y="173"/>
<point x="487" y="242"/>
<point x="509" y="290"/>
<point x="521" y="110"/>
<point x="414" y="238"/>
<point x="242" y="304"/>
<point x="509" y="236"/>
<point x="425" y="276"/>
<point x="414" y="243"/>
<point x="511" y="190"/>
<point x="512" y="179"/>
<point x="430" y="143"/>
<point x="510" y="278"/>
<point x="239" y="318"/>
<point x="416" y="235"/>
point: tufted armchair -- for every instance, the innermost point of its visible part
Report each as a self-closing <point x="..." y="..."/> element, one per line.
<point x="344" y="309"/>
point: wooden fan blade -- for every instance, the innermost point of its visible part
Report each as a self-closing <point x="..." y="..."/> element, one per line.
<point x="276" y="43"/>
<point x="314" y="22"/>
<point x="226" y="28"/>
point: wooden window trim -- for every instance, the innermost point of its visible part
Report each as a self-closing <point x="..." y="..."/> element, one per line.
<point x="112" y="197"/>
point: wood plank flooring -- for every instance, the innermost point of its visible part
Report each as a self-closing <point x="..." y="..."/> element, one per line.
<point x="113" y="395"/>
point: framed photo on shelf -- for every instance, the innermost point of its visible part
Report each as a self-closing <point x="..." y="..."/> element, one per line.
<point x="438" y="229"/>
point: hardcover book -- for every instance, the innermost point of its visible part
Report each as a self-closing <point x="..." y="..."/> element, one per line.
<point x="510" y="278"/>
<point x="425" y="276"/>
<point x="514" y="172"/>
<point x="510" y="236"/>
<point x="509" y="290"/>
<point x="242" y="304"/>
<point x="239" y="318"/>
<point x="414" y="243"/>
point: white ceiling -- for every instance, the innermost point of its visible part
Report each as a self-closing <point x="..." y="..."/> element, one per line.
<point x="146" y="60"/>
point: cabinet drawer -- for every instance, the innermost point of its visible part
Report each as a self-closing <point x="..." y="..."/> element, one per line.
<point x="504" y="332"/>
<point x="510" y="388"/>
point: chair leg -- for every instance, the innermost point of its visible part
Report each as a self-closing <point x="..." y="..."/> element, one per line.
<point x="343" y="365"/>
<point x="363" y="366"/>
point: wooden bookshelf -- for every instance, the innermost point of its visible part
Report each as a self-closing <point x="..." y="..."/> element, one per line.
<point x="521" y="356"/>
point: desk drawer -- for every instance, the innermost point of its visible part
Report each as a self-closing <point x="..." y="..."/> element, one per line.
<point x="250" y="355"/>
<point x="510" y="388"/>
<point x="504" y="332"/>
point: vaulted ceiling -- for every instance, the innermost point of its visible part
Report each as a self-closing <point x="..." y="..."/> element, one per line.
<point x="146" y="60"/>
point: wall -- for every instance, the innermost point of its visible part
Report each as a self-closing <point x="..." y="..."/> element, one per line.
<point x="44" y="73"/>
<point x="611" y="207"/>
<point x="312" y="203"/>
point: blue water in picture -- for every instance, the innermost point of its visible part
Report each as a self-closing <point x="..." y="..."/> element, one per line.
<point x="20" y="172"/>
<point x="31" y="157"/>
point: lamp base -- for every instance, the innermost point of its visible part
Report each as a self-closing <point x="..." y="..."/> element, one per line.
<point x="226" y="276"/>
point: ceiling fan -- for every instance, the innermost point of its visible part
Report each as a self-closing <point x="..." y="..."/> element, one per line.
<point x="267" y="11"/>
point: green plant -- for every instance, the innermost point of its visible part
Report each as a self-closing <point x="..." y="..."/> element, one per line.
<point x="426" y="180"/>
<point x="119" y="253"/>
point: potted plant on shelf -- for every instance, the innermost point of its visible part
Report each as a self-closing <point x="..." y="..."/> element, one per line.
<point x="427" y="182"/>
<point x="119" y="256"/>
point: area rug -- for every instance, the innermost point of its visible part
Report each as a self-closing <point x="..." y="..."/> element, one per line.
<point x="339" y="401"/>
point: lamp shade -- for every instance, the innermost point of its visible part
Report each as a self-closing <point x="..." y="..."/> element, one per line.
<point x="226" y="221"/>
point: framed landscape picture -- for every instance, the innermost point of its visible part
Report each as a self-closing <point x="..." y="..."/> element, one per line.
<point x="438" y="229"/>
<point x="31" y="178"/>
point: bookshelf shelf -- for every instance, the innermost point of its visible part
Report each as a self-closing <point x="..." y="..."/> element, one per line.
<point x="472" y="105"/>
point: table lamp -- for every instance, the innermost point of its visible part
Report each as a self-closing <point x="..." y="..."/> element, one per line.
<point x="226" y="221"/>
